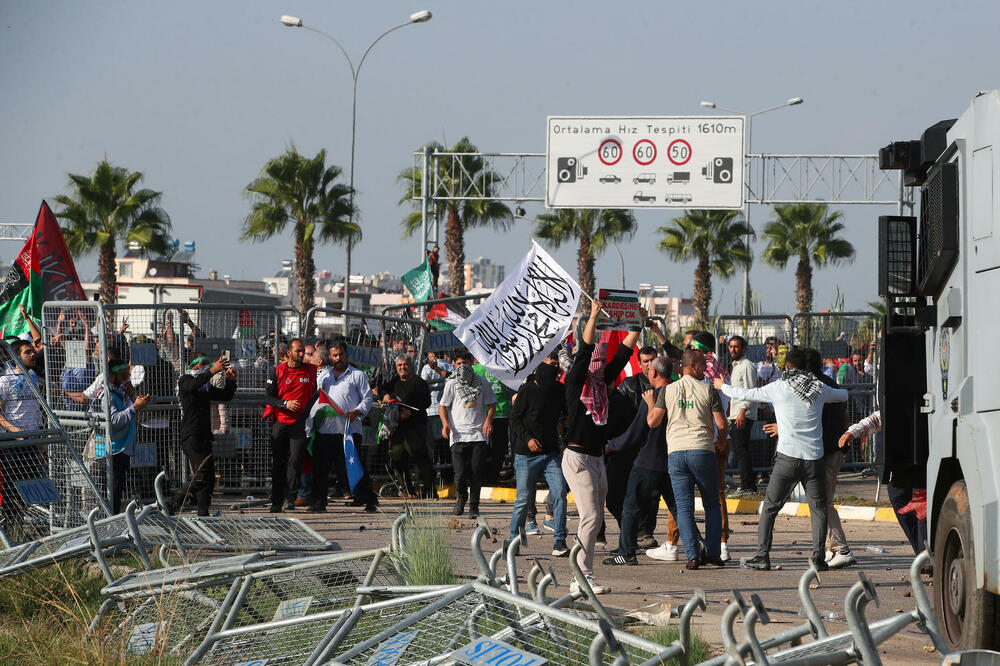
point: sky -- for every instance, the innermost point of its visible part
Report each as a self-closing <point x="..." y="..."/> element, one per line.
<point x="199" y="95"/>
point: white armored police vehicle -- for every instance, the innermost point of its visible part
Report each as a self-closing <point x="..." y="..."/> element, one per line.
<point x="940" y="375"/>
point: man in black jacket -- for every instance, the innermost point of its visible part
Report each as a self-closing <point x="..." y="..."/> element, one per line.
<point x="196" y="395"/>
<point x="534" y="420"/>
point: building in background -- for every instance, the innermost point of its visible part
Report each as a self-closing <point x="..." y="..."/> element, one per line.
<point x="678" y="312"/>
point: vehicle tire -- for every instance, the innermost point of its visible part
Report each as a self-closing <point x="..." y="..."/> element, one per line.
<point x="966" y="615"/>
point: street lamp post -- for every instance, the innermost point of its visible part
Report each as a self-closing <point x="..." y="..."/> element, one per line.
<point x="794" y="101"/>
<point x="296" y="22"/>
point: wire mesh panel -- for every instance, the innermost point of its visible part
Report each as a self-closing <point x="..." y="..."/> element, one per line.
<point x="258" y="533"/>
<point x="846" y="341"/>
<point x="40" y="476"/>
<point x="482" y="611"/>
<point x="195" y="575"/>
<point x="764" y="335"/>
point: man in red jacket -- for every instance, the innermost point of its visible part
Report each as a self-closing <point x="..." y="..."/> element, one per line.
<point x="289" y="388"/>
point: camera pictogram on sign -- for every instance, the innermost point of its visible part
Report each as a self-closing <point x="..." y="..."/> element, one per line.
<point x="719" y="170"/>
<point x="568" y="170"/>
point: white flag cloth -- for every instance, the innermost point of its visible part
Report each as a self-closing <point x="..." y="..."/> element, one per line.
<point x="523" y="320"/>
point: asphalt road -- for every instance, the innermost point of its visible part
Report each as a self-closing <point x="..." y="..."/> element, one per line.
<point x="653" y="581"/>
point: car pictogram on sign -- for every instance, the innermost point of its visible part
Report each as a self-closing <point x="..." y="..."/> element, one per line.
<point x="610" y="178"/>
<point x="644" y="178"/>
<point x="639" y="197"/>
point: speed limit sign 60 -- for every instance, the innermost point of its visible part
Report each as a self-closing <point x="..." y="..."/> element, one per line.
<point x="644" y="152"/>
<point x="610" y="152"/>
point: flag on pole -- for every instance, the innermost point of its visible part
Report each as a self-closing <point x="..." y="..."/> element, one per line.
<point x="418" y="281"/>
<point x="322" y="408"/>
<point x="523" y="319"/>
<point x="43" y="271"/>
<point x="446" y="316"/>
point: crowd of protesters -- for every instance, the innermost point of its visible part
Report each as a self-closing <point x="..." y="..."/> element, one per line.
<point x="621" y="446"/>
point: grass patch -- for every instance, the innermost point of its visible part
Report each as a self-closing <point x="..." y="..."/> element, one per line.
<point x="425" y="556"/>
<point x="45" y="615"/>
<point x="665" y="634"/>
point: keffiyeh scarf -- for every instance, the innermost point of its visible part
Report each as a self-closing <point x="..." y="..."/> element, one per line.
<point x="805" y="384"/>
<point x="595" y="391"/>
<point x="467" y="385"/>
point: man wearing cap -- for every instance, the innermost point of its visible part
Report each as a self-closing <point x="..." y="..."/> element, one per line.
<point x="123" y="428"/>
<point x="196" y="394"/>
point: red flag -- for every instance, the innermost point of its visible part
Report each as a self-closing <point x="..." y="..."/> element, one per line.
<point x="612" y="339"/>
<point x="43" y="271"/>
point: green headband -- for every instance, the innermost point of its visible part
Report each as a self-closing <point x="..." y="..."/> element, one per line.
<point x="700" y="346"/>
<point x="196" y="360"/>
<point x="118" y="367"/>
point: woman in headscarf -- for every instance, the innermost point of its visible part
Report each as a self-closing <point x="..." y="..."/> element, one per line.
<point x="586" y="435"/>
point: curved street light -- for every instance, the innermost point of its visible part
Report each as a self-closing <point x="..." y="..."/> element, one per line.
<point x="748" y="117"/>
<point x="295" y="22"/>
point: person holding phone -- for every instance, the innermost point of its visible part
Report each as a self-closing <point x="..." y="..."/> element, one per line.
<point x="196" y="394"/>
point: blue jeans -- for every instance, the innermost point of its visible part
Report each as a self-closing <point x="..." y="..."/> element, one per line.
<point x="687" y="470"/>
<point x="528" y="470"/>
<point x="645" y="486"/>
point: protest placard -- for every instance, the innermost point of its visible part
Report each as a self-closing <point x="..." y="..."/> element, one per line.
<point x="620" y="310"/>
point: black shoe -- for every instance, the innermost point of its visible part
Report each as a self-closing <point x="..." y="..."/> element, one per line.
<point x="354" y="502"/>
<point x="559" y="549"/>
<point x="715" y="561"/>
<point x="290" y="505"/>
<point x="759" y="562"/>
<point x="701" y="553"/>
<point x="473" y="511"/>
<point x="459" y="508"/>
<point x="820" y="564"/>
<point x="647" y="542"/>
<point x="621" y="560"/>
<point x="371" y="508"/>
<point x="692" y="564"/>
<point x="316" y="508"/>
<point x="275" y="509"/>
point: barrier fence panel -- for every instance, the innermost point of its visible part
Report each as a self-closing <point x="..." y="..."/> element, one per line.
<point x="840" y="337"/>
<point x="757" y="330"/>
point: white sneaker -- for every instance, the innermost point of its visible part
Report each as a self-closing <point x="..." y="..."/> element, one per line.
<point x="724" y="553"/>
<point x="664" y="552"/>
<point x="829" y="555"/>
<point x="574" y="587"/>
<point x="841" y="560"/>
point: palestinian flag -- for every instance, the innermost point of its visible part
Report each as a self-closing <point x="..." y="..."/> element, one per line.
<point x="244" y="327"/>
<point x="323" y="408"/>
<point x="446" y="316"/>
<point x="43" y="271"/>
<point x="612" y="339"/>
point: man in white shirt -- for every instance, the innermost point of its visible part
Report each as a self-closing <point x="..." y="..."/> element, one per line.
<point x="798" y="399"/>
<point x="466" y="409"/>
<point x="742" y="415"/>
<point x="348" y="389"/>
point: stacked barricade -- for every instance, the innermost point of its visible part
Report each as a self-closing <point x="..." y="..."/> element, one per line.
<point x="757" y="329"/>
<point x="837" y="336"/>
<point x="44" y="485"/>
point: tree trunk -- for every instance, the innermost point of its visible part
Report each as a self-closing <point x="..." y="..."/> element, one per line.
<point x="702" y="292"/>
<point x="585" y="272"/>
<point x="454" y="245"/>
<point x="107" y="271"/>
<point x="305" y="270"/>
<point x="803" y="285"/>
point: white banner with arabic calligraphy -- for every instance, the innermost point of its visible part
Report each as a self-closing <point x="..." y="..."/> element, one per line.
<point x="524" y="319"/>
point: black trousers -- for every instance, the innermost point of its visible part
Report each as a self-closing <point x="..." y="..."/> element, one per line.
<point x="740" y="438"/>
<point x="328" y="452"/>
<point x="786" y="474"/>
<point x="201" y="470"/>
<point x="120" y="463"/>
<point x="409" y="445"/>
<point x="288" y="452"/>
<point x="644" y="486"/>
<point x="499" y="449"/>
<point x="469" y="460"/>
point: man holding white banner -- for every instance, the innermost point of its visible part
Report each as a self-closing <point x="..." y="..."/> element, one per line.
<point x="523" y="320"/>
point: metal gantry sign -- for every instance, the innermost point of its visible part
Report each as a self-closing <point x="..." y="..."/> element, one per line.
<point x="644" y="162"/>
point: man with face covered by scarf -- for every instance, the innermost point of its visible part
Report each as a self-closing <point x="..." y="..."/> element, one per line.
<point x="466" y="408"/>
<point x="586" y="435"/>
<point x="196" y="394"/>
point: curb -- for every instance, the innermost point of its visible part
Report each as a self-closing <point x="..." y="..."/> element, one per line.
<point x="733" y="506"/>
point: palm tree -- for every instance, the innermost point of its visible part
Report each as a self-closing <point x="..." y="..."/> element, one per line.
<point x="716" y="239"/>
<point x="301" y="191"/>
<point x="593" y="228"/>
<point x="455" y="174"/>
<point x="105" y="208"/>
<point x="810" y="232"/>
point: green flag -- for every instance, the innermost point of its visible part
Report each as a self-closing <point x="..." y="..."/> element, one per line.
<point x="418" y="281"/>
